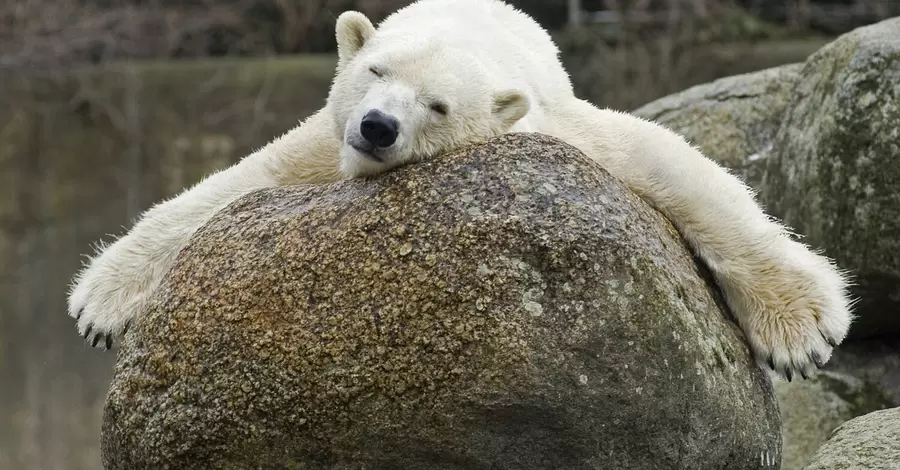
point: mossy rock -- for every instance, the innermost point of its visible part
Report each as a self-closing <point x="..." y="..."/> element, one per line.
<point x="833" y="174"/>
<point x="507" y="306"/>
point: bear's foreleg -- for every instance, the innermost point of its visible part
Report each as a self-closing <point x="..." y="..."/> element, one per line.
<point x="792" y="304"/>
<point x="115" y="285"/>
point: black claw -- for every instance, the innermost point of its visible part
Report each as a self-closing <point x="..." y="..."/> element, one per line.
<point x="789" y="374"/>
<point x="79" y="314"/>
<point x="831" y="341"/>
<point x="817" y="358"/>
<point x="804" y="374"/>
<point x="109" y="342"/>
<point x="771" y="362"/>
<point x="96" y="340"/>
<point x="127" y="326"/>
<point x="87" y="332"/>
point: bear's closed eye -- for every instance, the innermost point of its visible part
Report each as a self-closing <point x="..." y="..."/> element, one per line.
<point x="439" y="108"/>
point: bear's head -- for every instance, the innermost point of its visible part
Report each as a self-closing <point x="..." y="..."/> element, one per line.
<point x="398" y="99"/>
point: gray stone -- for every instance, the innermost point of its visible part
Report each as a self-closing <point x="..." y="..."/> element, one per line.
<point x="870" y="442"/>
<point x="732" y="120"/>
<point x="509" y="306"/>
<point x="833" y="174"/>
<point x="812" y="409"/>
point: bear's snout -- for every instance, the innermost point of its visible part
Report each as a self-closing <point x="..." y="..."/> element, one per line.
<point x="379" y="129"/>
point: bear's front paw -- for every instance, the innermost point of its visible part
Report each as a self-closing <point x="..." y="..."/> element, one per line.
<point x="794" y="311"/>
<point x="107" y="295"/>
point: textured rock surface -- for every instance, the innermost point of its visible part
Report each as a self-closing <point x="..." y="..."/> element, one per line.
<point x="870" y="442"/>
<point x="510" y="306"/>
<point x="733" y="120"/>
<point x="833" y="174"/>
<point x="812" y="409"/>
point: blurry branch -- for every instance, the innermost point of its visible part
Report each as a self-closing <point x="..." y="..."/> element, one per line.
<point x="88" y="94"/>
<point x="261" y="102"/>
<point x="633" y="51"/>
<point x="210" y="118"/>
<point x="821" y="15"/>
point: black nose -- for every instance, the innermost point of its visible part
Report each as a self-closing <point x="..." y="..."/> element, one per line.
<point x="379" y="129"/>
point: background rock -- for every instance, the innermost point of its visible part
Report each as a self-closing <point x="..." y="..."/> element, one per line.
<point x="820" y="141"/>
<point x="875" y="361"/>
<point x="812" y="409"/>
<point x="833" y="174"/>
<point x="508" y="306"/>
<point x="733" y="120"/>
<point x="869" y="442"/>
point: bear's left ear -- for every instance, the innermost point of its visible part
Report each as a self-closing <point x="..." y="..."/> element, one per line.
<point x="352" y="31"/>
<point x="510" y="106"/>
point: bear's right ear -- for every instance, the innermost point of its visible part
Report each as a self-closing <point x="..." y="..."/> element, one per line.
<point x="510" y="106"/>
<point x="352" y="31"/>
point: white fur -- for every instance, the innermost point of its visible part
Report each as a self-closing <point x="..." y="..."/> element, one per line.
<point x="497" y="71"/>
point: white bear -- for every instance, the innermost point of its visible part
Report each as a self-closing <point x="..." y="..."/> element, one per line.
<point x="440" y="74"/>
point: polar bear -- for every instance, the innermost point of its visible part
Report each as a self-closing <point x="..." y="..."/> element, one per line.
<point x="441" y="74"/>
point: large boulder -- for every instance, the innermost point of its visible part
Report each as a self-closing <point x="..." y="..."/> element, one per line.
<point x="509" y="306"/>
<point x="819" y="140"/>
<point x="833" y="174"/>
<point x="870" y="442"/>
